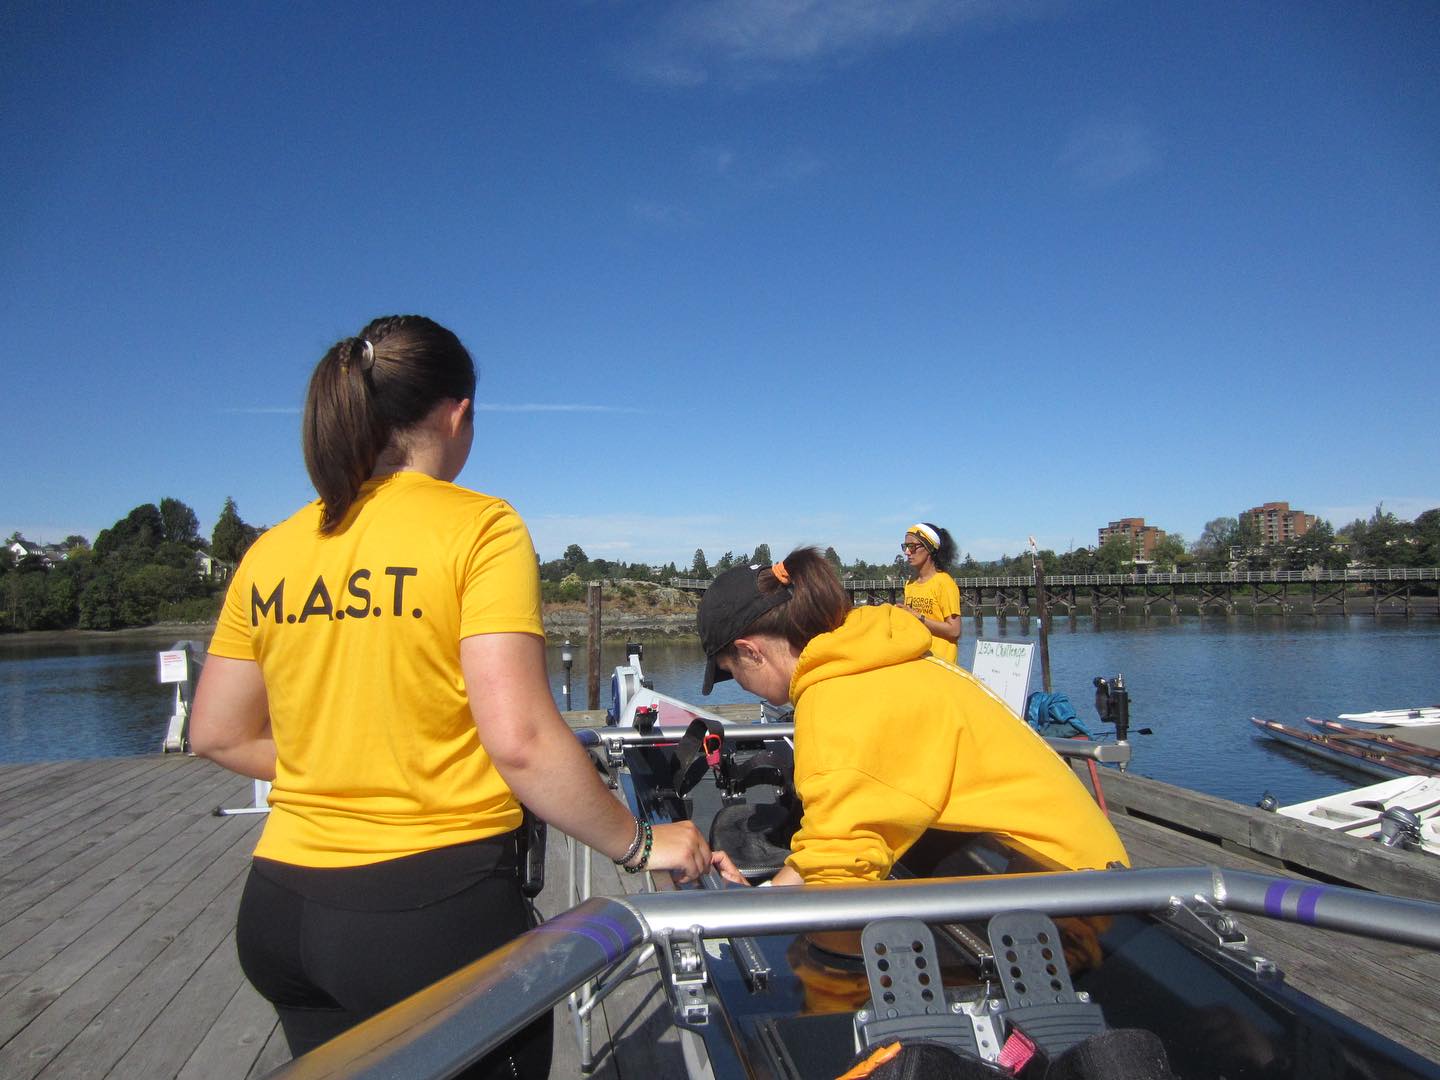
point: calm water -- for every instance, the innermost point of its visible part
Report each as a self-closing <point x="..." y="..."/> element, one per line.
<point x="1194" y="681"/>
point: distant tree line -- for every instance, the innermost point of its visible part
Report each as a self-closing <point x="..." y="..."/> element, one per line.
<point x="151" y="566"/>
<point x="1226" y="543"/>
<point x="148" y="567"/>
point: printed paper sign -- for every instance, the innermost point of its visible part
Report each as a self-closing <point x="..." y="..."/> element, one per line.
<point x="174" y="666"/>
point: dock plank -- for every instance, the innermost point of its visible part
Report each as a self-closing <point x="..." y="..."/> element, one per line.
<point x="53" y="802"/>
<point x="48" y="859"/>
<point x="76" y="997"/>
<point x="117" y="954"/>
<point x="130" y="858"/>
<point x="234" y="1045"/>
<point x="190" y="1012"/>
<point x="100" y="1018"/>
<point x="1287" y="842"/>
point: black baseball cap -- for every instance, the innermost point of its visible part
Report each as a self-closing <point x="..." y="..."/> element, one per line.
<point x="731" y="603"/>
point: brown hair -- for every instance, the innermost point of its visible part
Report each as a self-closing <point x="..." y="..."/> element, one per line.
<point x="818" y="604"/>
<point x="369" y="389"/>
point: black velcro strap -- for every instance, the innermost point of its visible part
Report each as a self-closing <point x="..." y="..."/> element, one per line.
<point x="690" y="764"/>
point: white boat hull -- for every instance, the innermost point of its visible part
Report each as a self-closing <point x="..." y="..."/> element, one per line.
<point x="1357" y="812"/>
<point x="1422" y="717"/>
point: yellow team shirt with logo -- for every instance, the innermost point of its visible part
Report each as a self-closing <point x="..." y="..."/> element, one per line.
<point x="358" y="636"/>
<point x="937" y="599"/>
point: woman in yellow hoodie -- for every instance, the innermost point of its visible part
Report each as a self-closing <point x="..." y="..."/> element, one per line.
<point x="890" y="741"/>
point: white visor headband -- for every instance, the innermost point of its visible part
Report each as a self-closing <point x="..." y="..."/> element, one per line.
<point x="929" y="535"/>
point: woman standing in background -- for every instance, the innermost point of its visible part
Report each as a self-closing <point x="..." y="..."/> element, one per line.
<point x="933" y="597"/>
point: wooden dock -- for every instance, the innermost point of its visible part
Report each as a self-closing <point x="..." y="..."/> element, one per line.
<point x="118" y="890"/>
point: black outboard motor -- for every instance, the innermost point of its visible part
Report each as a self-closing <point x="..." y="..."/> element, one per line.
<point x="1112" y="702"/>
<point x="1400" y="828"/>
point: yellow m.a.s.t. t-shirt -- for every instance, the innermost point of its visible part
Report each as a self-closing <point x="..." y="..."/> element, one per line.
<point x="357" y="635"/>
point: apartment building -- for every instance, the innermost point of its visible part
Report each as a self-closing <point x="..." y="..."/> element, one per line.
<point x="1276" y="523"/>
<point x="1141" y="536"/>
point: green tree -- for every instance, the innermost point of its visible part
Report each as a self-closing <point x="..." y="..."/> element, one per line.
<point x="762" y="555"/>
<point x="574" y="559"/>
<point x="1212" y="550"/>
<point x="179" y="522"/>
<point x="726" y="562"/>
<point x="1168" y="551"/>
<point x="62" y="591"/>
<point x="24" y="599"/>
<point x="134" y="536"/>
<point x="1115" y="556"/>
<point x="1427" y="538"/>
<point x="231" y="537"/>
<point x="1383" y="540"/>
<point x="833" y="558"/>
<point x="1316" y="548"/>
<point x="698" y="566"/>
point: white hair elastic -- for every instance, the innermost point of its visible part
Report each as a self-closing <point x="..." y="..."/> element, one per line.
<point x="367" y="354"/>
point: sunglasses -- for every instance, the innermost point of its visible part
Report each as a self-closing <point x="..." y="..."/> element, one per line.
<point x="911" y="548"/>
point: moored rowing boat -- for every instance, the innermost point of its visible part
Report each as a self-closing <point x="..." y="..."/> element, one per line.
<point x="1425" y="716"/>
<point x="1374" y="752"/>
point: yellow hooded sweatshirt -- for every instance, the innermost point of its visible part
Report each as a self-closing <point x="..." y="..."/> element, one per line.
<point x="890" y="742"/>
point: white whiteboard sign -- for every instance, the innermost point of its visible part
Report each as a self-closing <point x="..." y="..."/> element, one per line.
<point x="1004" y="667"/>
<point x="173" y="667"/>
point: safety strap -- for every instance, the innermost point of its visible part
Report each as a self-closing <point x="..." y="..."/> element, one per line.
<point x="703" y="739"/>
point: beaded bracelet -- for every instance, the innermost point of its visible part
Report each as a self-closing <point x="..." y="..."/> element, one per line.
<point x="634" y="848"/>
<point x="645" y="851"/>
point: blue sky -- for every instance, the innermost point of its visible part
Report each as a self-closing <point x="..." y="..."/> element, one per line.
<point x="736" y="272"/>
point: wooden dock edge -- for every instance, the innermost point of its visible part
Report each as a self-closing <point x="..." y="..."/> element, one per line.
<point x="1282" y="842"/>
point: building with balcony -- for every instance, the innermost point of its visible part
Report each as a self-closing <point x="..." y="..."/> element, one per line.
<point x="1276" y="523"/>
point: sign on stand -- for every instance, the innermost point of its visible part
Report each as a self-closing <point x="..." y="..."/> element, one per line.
<point x="174" y="665"/>
<point x="1004" y="666"/>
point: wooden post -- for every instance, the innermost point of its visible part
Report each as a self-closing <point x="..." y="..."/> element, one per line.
<point x="1044" y="624"/>
<point x="592" y="675"/>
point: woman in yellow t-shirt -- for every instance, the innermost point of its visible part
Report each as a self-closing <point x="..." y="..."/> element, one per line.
<point x="380" y="658"/>
<point x="933" y="597"/>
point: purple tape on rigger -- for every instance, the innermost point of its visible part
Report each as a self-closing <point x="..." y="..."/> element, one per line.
<point x="611" y="948"/>
<point x="1275" y="900"/>
<point x="613" y="927"/>
<point x="1305" y="910"/>
<point x="610" y="955"/>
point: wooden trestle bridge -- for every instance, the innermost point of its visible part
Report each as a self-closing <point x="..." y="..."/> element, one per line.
<point x="1361" y="590"/>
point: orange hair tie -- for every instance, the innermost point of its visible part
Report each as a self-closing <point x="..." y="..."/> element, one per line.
<point x="781" y="574"/>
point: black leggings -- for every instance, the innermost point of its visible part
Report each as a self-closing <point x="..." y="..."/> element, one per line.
<point x="326" y="968"/>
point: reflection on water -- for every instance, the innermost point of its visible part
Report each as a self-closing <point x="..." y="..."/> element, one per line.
<point x="82" y="698"/>
<point x="1195" y="681"/>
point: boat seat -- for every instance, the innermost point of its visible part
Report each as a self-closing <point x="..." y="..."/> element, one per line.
<point x="756" y="835"/>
